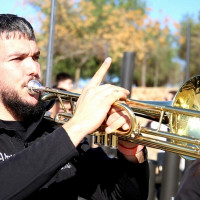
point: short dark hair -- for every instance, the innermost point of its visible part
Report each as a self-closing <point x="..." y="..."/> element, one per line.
<point x="62" y="76"/>
<point x="13" y="26"/>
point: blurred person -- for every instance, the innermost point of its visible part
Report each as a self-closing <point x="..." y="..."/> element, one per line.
<point x="64" y="81"/>
<point x="170" y="95"/>
<point x="189" y="185"/>
<point x="58" y="107"/>
<point x="41" y="160"/>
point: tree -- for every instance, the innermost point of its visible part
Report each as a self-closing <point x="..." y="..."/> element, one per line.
<point x="194" y="43"/>
<point x="88" y="29"/>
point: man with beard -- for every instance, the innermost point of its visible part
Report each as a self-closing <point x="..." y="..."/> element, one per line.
<point x="38" y="159"/>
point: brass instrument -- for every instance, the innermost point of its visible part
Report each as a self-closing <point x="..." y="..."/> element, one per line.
<point x="181" y="115"/>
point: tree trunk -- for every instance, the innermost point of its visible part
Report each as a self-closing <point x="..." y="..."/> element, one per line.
<point x="143" y="75"/>
<point x="156" y="77"/>
<point x="77" y="76"/>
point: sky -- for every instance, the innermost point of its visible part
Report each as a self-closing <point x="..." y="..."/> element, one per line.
<point x="175" y="9"/>
<point x="15" y="7"/>
<point x="19" y="8"/>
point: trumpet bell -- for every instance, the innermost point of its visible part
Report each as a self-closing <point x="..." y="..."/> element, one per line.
<point x="187" y="97"/>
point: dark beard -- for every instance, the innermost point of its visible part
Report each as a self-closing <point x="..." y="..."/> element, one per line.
<point x="19" y="109"/>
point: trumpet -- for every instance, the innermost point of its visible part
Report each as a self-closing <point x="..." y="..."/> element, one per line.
<point x="181" y="115"/>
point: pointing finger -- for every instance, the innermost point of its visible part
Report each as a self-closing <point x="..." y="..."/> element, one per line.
<point x="99" y="75"/>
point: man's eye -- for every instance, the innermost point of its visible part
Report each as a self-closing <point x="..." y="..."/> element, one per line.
<point x="18" y="58"/>
<point x="36" y="58"/>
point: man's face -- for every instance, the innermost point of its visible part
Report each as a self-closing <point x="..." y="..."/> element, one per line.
<point x="57" y="108"/>
<point x="66" y="84"/>
<point x="18" y="65"/>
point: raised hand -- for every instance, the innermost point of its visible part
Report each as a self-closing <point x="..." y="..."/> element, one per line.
<point x="93" y="106"/>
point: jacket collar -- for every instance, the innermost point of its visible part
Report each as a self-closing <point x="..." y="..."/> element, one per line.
<point x="31" y="125"/>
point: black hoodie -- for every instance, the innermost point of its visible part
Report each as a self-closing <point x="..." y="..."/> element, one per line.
<point x="39" y="161"/>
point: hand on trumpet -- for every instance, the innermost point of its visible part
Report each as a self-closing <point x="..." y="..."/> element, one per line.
<point x="93" y="106"/>
<point x="118" y="118"/>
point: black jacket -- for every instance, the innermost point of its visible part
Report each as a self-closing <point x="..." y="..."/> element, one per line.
<point x="189" y="188"/>
<point x="41" y="162"/>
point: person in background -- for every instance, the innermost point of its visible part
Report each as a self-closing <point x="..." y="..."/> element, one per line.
<point x="41" y="160"/>
<point x="64" y="81"/>
<point x="189" y="185"/>
<point x="58" y="107"/>
<point x="170" y="95"/>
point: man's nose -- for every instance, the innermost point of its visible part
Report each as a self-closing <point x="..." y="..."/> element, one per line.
<point x="33" y="68"/>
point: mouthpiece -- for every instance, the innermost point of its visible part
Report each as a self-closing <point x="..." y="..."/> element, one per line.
<point x="34" y="87"/>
